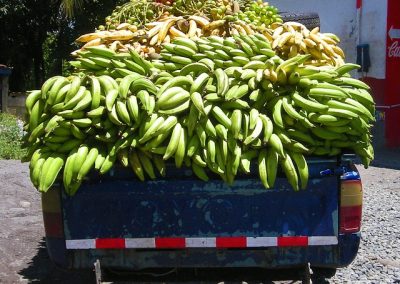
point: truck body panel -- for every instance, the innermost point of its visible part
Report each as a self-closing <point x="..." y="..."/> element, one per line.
<point x="180" y="221"/>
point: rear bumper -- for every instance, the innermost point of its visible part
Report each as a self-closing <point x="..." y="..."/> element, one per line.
<point x="335" y="256"/>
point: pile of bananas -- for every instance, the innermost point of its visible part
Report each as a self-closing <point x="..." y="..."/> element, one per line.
<point x="260" y="14"/>
<point x="331" y="110"/>
<point x="98" y="60"/>
<point x="291" y="38"/>
<point x="124" y="32"/>
<point x="149" y="39"/>
<point x="140" y="12"/>
<point x="145" y="24"/>
<point x="217" y="105"/>
<point x="287" y="39"/>
<point x="212" y="9"/>
<point x="169" y="28"/>
<point x="134" y="12"/>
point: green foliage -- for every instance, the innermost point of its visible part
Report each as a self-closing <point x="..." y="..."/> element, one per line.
<point x="69" y="6"/>
<point x="36" y="36"/>
<point x="137" y="13"/>
<point x="10" y="138"/>
<point x="25" y="25"/>
<point x="67" y="68"/>
<point x="50" y="54"/>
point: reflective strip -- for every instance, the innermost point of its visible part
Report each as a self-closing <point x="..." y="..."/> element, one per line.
<point x="80" y="244"/>
<point x="292" y="241"/>
<point x="262" y="242"/>
<point x="219" y="242"/>
<point x="140" y="243"/>
<point x="110" y="243"/>
<point x="200" y="242"/>
<point x="170" y="242"/>
<point x="231" y="242"/>
<point x="322" y="241"/>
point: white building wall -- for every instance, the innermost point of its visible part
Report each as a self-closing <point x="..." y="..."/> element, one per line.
<point x="373" y="32"/>
<point x="340" y="17"/>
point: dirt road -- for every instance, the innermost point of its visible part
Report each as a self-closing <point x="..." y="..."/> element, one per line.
<point x="23" y="258"/>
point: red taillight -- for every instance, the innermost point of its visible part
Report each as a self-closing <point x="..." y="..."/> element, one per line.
<point x="350" y="206"/>
<point x="350" y="219"/>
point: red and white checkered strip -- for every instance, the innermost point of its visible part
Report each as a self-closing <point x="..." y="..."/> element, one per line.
<point x="218" y="242"/>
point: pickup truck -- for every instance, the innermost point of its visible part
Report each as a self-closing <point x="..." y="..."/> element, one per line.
<point x="180" y="221"/>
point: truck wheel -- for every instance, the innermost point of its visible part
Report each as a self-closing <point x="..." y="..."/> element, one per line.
<point x="310" y="20"/>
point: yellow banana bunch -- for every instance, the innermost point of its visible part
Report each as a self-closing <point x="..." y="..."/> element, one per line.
<point x="291" y="38"/>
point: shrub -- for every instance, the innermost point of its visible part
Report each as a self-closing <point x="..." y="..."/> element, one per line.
<point x="10" y="137"/>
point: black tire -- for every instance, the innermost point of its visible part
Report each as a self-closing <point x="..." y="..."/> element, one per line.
<point x="310" y="20"/>
<point x="320" y="275"/>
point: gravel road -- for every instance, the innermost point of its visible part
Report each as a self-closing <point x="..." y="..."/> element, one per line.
<point x="23" y="257"/>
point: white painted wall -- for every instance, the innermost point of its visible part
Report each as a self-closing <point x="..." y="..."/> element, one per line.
<point x="340" y="17"/>
<point x="373" y="32"/>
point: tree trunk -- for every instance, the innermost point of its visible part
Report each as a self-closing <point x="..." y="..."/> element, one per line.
<point x="38" y="63"/>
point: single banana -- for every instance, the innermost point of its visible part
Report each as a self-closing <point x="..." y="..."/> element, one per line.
<point x="276" y="144"/>
<point x="174" y="141"/>
<point x="180" y="152"/>
<point x="290" y="172"/>
<point x="88" y="163"/>
<point x="222" y="82"/>
<point x="277" y="113"/>
<point x="262" y="168"/>
<point x="136" y="165"/>
<point x="200" y="172"/>
<point x="302" y="168"/>
<point x="221" y="117"/>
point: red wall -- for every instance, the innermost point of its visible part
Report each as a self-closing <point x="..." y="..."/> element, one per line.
<point x="392" y="87"/>
<point x="378" y="89"/>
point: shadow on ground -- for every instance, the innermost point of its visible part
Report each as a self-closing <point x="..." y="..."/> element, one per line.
<point x="42" y="270"/>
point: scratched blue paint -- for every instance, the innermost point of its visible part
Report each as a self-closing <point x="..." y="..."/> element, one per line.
<point x="185" y="211"/>
<point x="122" y="206"/>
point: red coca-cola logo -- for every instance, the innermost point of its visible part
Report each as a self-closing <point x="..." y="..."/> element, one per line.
<point x="394" y="49"/>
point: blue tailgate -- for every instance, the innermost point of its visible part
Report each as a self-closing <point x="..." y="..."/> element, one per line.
<point x="133" y="225"/>
<point x="120" y="206"/>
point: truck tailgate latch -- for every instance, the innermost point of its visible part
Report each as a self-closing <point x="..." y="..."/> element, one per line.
<point x="330" y="172"/>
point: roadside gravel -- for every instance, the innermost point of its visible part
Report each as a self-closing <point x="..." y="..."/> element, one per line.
<point x="23" y="258"/>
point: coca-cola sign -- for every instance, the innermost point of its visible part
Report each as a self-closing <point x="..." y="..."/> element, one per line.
<point x="392" y="86"/>
<point x="394" y="49"/>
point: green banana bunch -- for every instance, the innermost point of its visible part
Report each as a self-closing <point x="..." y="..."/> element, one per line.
<point x="212" y="104"/>
<point x="97" y="60"/>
